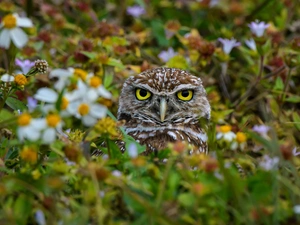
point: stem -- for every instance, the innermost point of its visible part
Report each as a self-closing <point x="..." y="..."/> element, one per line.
<point x="286" y="85"/>
<point x="224" y="67"/>
<point x="108" y="148"/>
<point x="251" y="88"/>
<point x="99" y="208"/>
<point x="163" y="183"/>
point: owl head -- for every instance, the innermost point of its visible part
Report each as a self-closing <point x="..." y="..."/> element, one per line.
<point x="163" y="96"/>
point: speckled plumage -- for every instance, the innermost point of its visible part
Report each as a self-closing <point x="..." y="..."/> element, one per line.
<point x="181" y="122"/>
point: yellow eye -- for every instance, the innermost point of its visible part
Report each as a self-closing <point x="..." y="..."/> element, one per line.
<point x="142" y="94"/>
<point x="185" y="95"/>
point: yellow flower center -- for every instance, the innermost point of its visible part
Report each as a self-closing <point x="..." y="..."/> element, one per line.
<point x="64" y="103"/>
<point x="29" y="155"/>
<point x="20" y="80"/>
<point x="240" y="137"/>
<point x="95" y="82"/>
<point x="83" y="109"/>
<point x="9" y="21"/>
<point x="80" y="73"/>
<point x="225" y="128"/>
<point x="24" y="119"/>
<point x="52" y="120"/>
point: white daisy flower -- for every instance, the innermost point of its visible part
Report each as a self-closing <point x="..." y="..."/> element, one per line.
<point x="226" y="133"/>
<point x="87" y="111"/>
<point x="96" y="89"/>
<point x="12" y="32"/>
<point x="49" y="126"/>
<point x="239" y="142"/>
<point x="28" y="128"/>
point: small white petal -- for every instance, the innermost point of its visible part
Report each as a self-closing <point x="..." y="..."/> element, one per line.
<point x="33" y="134"/>
<point x="73" y="107"/>
<point x="5" y="39"/>
<point x="92" y="95"/>
<point x="103" y="92"/>
<point x="297" y="209"/>
<point x="24" y="22"/>
<point x="46" y="95"/>
<point x="7" y="78"/>
<point x="60" y="84"/>
<point x="21" y="133"/>
<point x="88" y="120"/>
<point x="219" y="135"/>
<point x="49" y="136"/>
<point x="39" y="124"/>
<point x="98" y="111"/>
<point x="229" y="136"/>
<point x="48" y="107"/>
<point x="60" y="73"/>
<point x="234" y="146"/>
<point x="19" y="37"/>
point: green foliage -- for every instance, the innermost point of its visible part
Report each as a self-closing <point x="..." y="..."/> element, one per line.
<point x="73" y="172"/>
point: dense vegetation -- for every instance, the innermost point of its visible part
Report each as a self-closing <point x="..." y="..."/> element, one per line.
<point x="62" y="65"/>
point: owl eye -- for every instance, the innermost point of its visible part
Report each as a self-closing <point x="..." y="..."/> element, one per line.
<point x="185" y="95"/>
<point x="142" y="94"/>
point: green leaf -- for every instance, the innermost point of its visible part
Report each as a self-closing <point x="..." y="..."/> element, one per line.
<point x="158" y="32"/>
<point x="108" y="79"/>
<point x="293" y="99"/>
<point x="279" y="84"/>
<point x="115" y="62"/>
<point x="91" y="55"/>
<point x="5" y="114"/>
<point x="296" y="119"/>
<point x="22" y="209"/>
<point x="178" y="61"/>
<point x="15" y="104"/>
<point x="186" y="199"/>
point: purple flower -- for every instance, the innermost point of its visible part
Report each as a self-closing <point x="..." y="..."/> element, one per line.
<point x="165" y="56"/>
<point x="268" y="163"/>
<point x="228" y="45"/>
<point x="132" y="150"/>
<point x="262" y="130"/>
<point x="31" y="103"/>
<point x="135" y="11"/>
<point x="251" y="44"/>
<point x="25" y="65"/>
<point x="40" y="217"/>
<point x="258" y="28"/>
<point x="295" y="152"/>
<point x="116" y="173"/>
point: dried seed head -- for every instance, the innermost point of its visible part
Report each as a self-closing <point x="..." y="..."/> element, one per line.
<point x="41" y="65"/>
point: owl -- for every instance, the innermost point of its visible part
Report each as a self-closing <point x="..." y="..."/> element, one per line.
<point x="164" y="105"/>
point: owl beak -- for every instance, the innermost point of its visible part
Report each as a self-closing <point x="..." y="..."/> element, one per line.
<point x="163" y="109"/>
